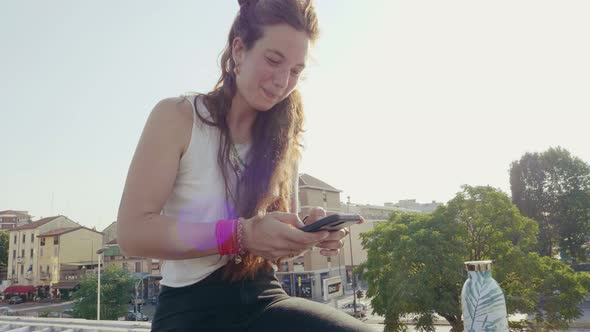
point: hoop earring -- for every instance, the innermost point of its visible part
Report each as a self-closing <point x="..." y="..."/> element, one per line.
<point x="237" y="69"/>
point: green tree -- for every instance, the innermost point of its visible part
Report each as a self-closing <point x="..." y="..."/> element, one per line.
<point x="4" y="241"/>
<point x="116" y="285"/>
<point x="553" y="188"/>
<point x="414" y="266"/>
<point x="415" y="263"/>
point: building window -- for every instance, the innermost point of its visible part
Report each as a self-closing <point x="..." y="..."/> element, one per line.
<point x="47" y="269"/>
<point x="31" y="253"/>
<point x="22" y="253"/>
<point x="15" y="239"/>
<point x="24" y="238"/>
<point x="14" y="254"/>
<point x="22" y="270"/>
<point x="42" y="241"/>
<point x="55" y="240"/>
<point x="137" y="266"/>
<point x="32" y="237"/>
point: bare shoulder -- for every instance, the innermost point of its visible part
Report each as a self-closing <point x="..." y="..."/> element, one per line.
<point x="172" y="120"/>
<point x="178" y="110"/>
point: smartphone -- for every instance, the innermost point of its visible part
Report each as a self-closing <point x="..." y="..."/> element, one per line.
<point x="332" y="223"/>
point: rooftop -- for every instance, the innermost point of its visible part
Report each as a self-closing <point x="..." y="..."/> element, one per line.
<point x="35" y="224"/>
<point x="308" y="181"/>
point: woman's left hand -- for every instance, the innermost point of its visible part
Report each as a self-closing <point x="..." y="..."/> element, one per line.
<point x="334" y="242"/>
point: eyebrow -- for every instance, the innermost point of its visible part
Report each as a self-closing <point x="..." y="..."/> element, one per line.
<point x="277" y="52"/>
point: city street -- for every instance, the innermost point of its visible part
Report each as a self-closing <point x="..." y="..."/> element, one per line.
<point x="38" y="306"/>
<point x="33" y="308"/>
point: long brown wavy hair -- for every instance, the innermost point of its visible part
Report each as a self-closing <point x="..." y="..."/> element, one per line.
<point x="266" y="183"/>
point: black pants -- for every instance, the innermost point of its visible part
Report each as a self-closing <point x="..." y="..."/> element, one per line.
<point x="258" y="305"/>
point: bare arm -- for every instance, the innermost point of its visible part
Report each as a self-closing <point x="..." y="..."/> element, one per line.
<point x="142" y="231"/>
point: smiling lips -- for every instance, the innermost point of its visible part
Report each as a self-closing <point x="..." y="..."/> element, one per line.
<point x="268" y="94"/>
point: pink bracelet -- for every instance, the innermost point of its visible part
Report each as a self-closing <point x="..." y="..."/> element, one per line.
<point x="224" y="233"/>
<point x="229" y="235"/>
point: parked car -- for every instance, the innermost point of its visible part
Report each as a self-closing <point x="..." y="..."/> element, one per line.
<point x="16" y="300"/>
<point x="136" y="316"/>
<point x="361" y="309"/>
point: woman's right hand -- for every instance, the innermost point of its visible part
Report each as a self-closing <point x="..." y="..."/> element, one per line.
<point x="277" y="235"/>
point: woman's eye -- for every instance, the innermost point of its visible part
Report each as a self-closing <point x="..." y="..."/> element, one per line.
<point x="272" y="62"/>
<point x="295" y="72"/>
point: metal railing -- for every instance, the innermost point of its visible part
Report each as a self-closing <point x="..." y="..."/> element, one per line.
<point x="14" y="324"/>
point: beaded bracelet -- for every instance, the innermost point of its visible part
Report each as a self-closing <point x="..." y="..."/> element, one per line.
<point x="239" y="240"/>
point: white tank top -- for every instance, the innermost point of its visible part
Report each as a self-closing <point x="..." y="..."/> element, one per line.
<point x="198" y="195"/>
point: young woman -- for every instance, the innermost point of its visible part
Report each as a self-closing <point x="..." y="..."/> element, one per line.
<point x="212" y="188"/>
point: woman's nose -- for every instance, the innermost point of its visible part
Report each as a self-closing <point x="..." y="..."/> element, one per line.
<point x="281" y="78"/>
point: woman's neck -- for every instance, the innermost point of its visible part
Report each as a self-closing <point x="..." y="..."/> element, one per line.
<point x="240" y="120"/>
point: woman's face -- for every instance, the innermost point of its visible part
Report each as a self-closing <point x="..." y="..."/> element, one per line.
<point x="270" y="70"/>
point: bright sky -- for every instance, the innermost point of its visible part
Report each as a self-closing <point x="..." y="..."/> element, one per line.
<point x="404" y="99"/>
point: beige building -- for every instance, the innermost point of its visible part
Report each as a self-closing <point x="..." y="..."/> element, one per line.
<point x="51" y="254"/>
<point x="23" y="250"/>
<point x="314" y="192"/>
<point x="75" y="246"/>
<point x="110" y="233"/>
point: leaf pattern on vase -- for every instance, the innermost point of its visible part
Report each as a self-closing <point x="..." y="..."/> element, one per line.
<point x="484" y="305"/>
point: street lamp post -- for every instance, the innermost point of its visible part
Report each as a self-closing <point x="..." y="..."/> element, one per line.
<point x="99" y="254"/>
<point x="351" y="260"/>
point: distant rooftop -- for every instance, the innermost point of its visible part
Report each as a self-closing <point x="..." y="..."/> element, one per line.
<point x="14" y="213"/>
<point x="308" y="181"/>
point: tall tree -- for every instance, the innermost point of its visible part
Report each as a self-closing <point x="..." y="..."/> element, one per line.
<point x="415" y="263"/>
<point x="553" y="188"/>
<point x="116" y="286"/>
